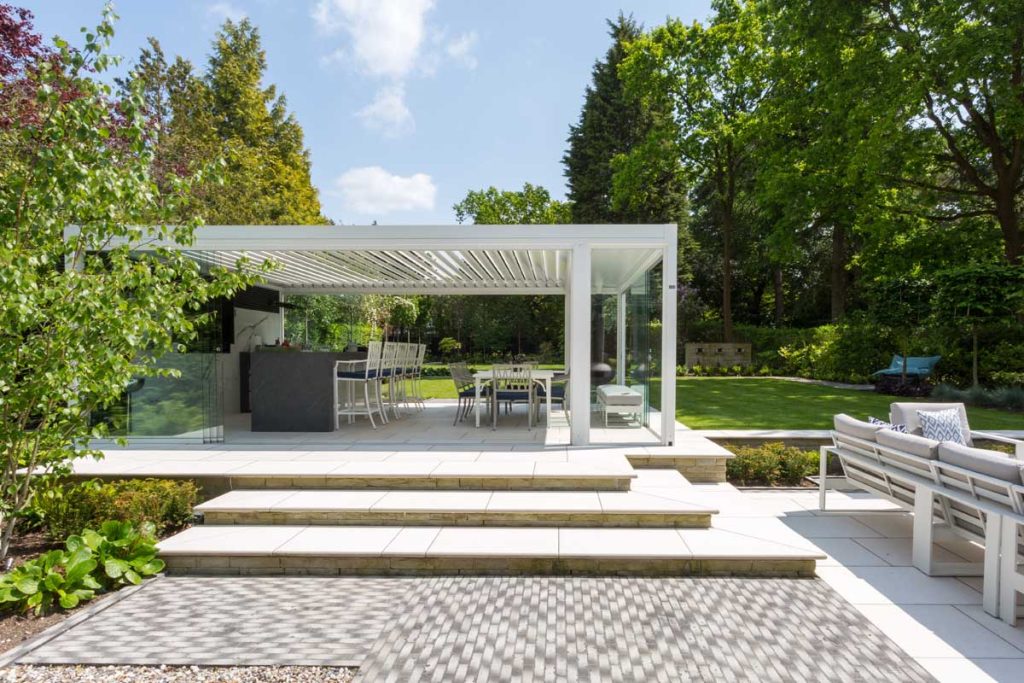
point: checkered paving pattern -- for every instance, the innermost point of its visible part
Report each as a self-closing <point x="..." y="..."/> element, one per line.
<point x="495" y="629"/>
<point x="632" y="629"/>
<point x="234" y="620"/>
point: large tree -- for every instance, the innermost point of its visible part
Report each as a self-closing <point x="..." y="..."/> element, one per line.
<point x="712" y="78"/>
<point x="612" y="124"/>
<point x="940" y="87"/>
<point x="228" y="114"/>
<point x="532" y="204"/>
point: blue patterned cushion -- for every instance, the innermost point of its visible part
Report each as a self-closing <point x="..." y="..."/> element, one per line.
<point x="902" y="429"/>
<point x="942" y="425"/>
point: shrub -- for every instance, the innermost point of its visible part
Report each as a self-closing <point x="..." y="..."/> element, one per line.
<point x="449" y="346"/>
<point x="770" y="464"/>
<point x="1008" y="379"/>
<point x="1006" y="398"/>
<point x="117" y="555"/>
<point x="165" y="503"/>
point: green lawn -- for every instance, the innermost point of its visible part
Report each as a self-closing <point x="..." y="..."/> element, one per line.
<point x="754" y="403"/>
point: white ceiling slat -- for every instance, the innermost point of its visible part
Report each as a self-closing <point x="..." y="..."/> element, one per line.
<point x="447" y="270"/>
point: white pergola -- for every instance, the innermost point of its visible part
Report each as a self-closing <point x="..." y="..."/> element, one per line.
<point x="575" y="261"/>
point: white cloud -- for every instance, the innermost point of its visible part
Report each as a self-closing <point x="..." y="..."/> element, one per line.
<point x="386" y="34"/>
<point x="375" y="191"/>
<point x="222" y="11"/>
<point x="461" y="49"/>
<point x="388" y="112"/>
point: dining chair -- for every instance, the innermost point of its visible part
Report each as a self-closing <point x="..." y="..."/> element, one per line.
<point x="465" y="390"/>
<point x="512" y="384"/>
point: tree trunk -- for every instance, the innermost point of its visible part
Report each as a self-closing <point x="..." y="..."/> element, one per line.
<point x="838" y="272"/>
<point x="974" y="356"/>
<point x="777" y="289"/>
<point x="1009" y="223"/>
<point x="727" y="228"/>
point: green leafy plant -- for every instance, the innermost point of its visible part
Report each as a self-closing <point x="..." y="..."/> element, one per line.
<point x="770" y="464"/>
<point x="119" y="554"/>
<point x="126" y="554"/>
<point x="59" y="576"/>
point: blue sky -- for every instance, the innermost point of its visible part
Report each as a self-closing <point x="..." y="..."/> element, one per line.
<point x="406" y="104"/>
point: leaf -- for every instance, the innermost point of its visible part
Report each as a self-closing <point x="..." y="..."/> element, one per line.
<point x="77" y="572"/>
<point x="115" y="568"/>
<point x="153" y="567"/>
<point x="27" y="586"/>
<point x="69" y="600"/>
<point x="132" y="577"/>
<point x="53" y="581"/>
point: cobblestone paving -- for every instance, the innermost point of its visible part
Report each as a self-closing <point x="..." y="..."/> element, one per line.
<point x="495" y="629"/>
<point x="632" y="629"/>
<point x="225" y="621"/>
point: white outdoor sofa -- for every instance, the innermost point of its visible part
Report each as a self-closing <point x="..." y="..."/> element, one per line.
<point x="975" y="493"/>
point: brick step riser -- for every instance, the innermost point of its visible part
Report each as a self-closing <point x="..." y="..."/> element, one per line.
<point x="514" y="519"/>
<point x="304" y="565"/>
<point x="215" y="486"/>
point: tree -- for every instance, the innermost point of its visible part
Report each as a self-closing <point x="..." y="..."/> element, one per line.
<point x="942" y="81"/>
<point x="610" y="125"/>
<point x="976" y="295"/>
<point x="82" y="315"/>
<point x="712" y="79"/>
<point x="228" y="114"/>
<point x="533" y="204"/>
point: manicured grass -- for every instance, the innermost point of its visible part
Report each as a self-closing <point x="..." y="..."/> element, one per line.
<point x="437" y="387"/>
<point x="755" y="403"/>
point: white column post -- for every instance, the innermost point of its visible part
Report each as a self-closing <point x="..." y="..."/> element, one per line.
<point x="668" y="336"/>
<point x="620" y="338"/>
<point x="567" y="329"/>
<point x="579" y="345"/>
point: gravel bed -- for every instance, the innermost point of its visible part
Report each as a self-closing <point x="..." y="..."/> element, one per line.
<point x="176" y="674"/>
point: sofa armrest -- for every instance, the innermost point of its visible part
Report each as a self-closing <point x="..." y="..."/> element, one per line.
<point x="987" y="436"/>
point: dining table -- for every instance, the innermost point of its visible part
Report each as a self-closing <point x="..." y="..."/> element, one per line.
<point x="543" y="377"/>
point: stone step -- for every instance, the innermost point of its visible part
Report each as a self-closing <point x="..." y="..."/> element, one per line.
<point x="333" y="550"/>
<point x="454" y="508"/>
<point x="339" y="471"/>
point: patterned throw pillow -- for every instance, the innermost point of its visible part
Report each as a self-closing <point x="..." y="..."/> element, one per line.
<point x="942" y="425"/>
<point x="902" y="429"/>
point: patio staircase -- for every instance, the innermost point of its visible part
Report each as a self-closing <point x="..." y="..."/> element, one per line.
<point x="538" y="513"/>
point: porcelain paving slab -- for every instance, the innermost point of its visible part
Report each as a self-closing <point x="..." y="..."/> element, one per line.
<point x="495" y="542"/>
<point x="622" y="543"/>
<point x="328" y="500"/>
<point x="547" y="501"/>
<point x="228" y="540"/>
<point x="263" y="500"/>
<point x="351" y="541"/>
<point x="409" y="501"/>
<point x="718" y="544"/>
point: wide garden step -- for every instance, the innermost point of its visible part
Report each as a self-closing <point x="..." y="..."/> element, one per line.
<point x="340" y="471"/>
<point x="332" y="550"/>
<point x="454" y="508"/>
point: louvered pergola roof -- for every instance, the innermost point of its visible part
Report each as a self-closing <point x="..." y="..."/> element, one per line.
<point x="466" y="259"/>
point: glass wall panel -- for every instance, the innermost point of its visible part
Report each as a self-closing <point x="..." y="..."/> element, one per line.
<point x="184" y="407"/>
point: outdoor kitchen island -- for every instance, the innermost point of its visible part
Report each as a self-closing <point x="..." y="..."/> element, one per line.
<point x="292" y="391"/>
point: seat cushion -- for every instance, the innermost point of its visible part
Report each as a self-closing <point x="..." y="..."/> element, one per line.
<point x="908" y="443"/>
<point x="509" y="395"/>
<point x="851" y="426"/>
<point x="619" y="395"/>
<point x="942" y="425"/>
<point x="557" y="391"/>
<point x="992" y="463"/>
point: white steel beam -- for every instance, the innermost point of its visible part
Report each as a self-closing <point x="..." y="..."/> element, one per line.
<point x="669" y="278"/>
<point x="620" y="338"/>
<point x="579" y="345"/>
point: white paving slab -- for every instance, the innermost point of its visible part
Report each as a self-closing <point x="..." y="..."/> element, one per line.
<point x="352" y="541"/>
<point x="495" y="542"/>
<point x="619" y="543"/>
